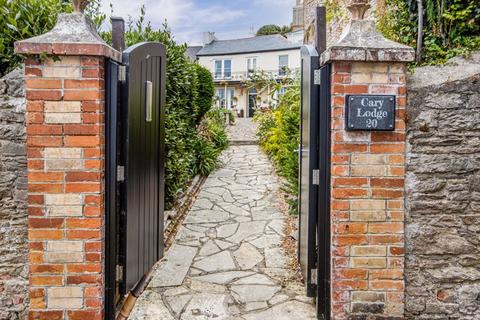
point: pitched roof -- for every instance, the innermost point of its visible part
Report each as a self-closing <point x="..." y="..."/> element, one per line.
<point x="254" y="44"/>
<point x="192" y="52"/>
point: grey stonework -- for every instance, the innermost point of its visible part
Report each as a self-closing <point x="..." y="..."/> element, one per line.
<point x="13" y="194"/>
<point x="443" y="192"/>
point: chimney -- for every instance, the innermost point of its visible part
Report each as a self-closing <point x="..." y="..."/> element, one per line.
<point x="208" y="37"/>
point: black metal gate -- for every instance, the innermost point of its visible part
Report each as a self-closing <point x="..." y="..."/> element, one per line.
<point x="308" y="201"/>
<point x="135" y="174"/>
<point x="314" y="198"/>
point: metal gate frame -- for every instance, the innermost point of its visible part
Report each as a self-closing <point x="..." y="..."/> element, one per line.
<point x="112" y="141"/>
<point x="323" y="225"/>
<point x="308" y="158"/>
<point x="314" y="198"/>
<point x="118" y="229"/>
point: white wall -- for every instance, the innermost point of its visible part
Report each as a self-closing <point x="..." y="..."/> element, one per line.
<point x="267" y="61"/>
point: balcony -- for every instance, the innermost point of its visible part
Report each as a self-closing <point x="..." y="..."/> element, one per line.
<point x="246" y="75"/>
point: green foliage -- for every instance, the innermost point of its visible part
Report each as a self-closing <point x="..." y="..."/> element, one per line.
<point x="451" y="27"/>
<point x="212" y="141"/>
<point x="23" y="19"/>
<point x="189" y="88"/>
<point x="190" y="94"/>
<point x="206" y="91"/>
<point x="273" y="29"/>
<point x="278" y="132"/>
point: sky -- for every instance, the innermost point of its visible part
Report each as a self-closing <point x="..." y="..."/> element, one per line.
<point x="188" y="19"/>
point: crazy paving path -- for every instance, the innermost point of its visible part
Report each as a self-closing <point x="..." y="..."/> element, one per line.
<point x="227" y="261"/>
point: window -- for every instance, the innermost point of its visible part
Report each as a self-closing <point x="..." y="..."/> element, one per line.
<point x="221" y="97"/>
<point x="223" y="69"/>
<point x="227" y="68"/>
<point x="230" y="95"/>
<point x="225" y="97"/>
<point x="251" y="64"/>
<point x="282" y="65"/>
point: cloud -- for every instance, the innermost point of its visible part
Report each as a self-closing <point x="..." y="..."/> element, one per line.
<point x="188" y="19"/>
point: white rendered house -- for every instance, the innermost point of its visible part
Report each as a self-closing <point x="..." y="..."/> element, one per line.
<point x="233" y="61"/>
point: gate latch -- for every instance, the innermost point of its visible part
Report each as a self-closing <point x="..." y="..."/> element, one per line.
<point x="120" y="173"/>
<point x="317" y="78"/>
<point x="122" y="73"/>
<point x="316" y="177"/>
<point x="313" y="276"/>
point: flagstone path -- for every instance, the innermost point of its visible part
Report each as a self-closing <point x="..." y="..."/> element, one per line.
<point x="243" y="132"/>
<point x="227" y="261"/>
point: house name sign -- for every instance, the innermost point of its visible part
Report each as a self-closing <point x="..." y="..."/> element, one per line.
<point x="370" y="112"/>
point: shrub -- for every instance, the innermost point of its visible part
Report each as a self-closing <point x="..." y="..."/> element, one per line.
<point x="189" y="88"/>
<point x="23" y="19"/>
<point x="279" y="137"/>
<point x="206" y="91"/>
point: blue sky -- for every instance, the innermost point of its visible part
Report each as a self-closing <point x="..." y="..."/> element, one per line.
<point x="188" y="19"/>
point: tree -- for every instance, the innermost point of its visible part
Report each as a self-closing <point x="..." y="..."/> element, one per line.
<point x="273" y="29"/>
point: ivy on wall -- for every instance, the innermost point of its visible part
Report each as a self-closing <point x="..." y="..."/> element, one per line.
<point x="450" y="27"/>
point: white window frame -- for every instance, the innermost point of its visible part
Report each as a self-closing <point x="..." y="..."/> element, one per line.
<point x="222" y="74"/>
<point x="282" y="67"/>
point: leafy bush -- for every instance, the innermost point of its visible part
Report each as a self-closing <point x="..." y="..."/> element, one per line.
<point x="279" y="137"/>
<point x="213" y="140"/>
<point x="206" y="91"/>
<point x="273" y="29"/>
<point x="451" y="27"/>
<point x="189" y="88"/>
<point x="23" y="19"/>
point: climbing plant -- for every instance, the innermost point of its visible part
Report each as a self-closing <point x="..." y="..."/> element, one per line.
<point x="450" y="27"/>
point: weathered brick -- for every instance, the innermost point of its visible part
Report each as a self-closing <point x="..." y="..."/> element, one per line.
<point x="62" y="72"/>
<point x="369" y="263"/>
<point x="369" y="251"/>
<point x="63" y="118"/>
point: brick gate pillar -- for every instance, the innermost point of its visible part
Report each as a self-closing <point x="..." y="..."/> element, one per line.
<point x="64" y="75"/>
<point x="368" y="171"/>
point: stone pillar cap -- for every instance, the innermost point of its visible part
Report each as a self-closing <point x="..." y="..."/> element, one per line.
<point x="74" y="34"/>
<point x="362" y="42"/>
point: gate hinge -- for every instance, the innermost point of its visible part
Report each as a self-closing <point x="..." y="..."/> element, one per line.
<point x="120" y="173"/>
<point x="313" y="276"/>
<point x="316" y="177"/>
<point x="317" y="78"/>
<point x="122" y="73"/>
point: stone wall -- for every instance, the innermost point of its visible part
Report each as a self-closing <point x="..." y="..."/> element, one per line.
<point x="443" y="192"/>
<point x="13" y="186"/>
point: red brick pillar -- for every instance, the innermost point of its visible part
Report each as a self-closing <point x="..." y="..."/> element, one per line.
<point x="367" y="184"/>
<point x="66" y="152"/>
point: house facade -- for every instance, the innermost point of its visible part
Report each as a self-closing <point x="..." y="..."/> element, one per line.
<point x="232" y="62"/>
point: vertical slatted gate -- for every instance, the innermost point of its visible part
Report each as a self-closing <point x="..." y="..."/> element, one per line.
<point x="314" y="198"/>
<point x="144" y="158"/>
<point x="135" y="168"/>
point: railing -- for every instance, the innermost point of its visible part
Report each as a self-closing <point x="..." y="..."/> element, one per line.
<point x="247" y="75"/>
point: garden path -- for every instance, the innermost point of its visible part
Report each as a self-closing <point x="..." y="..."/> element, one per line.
<point x="227" y="260"/>
<point x="243" y="132"/>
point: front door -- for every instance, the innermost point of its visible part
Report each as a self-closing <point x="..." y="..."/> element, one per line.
<point x="252" y="102"/>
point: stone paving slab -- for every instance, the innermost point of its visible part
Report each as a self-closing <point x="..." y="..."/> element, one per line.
<point x="227" y="261"/>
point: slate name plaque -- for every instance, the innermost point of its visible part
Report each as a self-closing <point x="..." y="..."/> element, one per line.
<point x="370" y="113"/>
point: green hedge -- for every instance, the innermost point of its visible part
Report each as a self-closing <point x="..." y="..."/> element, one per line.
<point x="23" y="19"/>
<point x="195" y="136"/>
